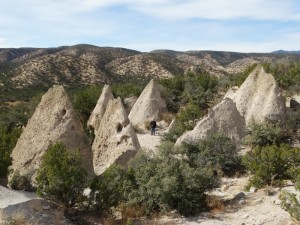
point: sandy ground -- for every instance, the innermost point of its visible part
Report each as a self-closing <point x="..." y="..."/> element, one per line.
<point x="11" y="197"/>
<point x="149" y="141"/>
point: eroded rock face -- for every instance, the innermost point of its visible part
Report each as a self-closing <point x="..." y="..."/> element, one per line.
<point x="53" y="120"/>
<point x="129" y="103"/>
<point x="149" y="105"/>
<point x="259" y="98"/>
<point x="98" y="112"/>
<point x="115" y="140"/>
<point x="224" y="118"/>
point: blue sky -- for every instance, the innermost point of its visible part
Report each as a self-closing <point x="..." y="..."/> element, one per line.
<point x="145" y="25"/>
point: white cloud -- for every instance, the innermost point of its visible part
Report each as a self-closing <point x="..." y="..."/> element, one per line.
<point x="152" y="24"/>
<point x="223" y="9"/>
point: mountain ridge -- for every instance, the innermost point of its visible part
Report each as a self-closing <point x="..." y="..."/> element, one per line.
<point x="88" y="64"/>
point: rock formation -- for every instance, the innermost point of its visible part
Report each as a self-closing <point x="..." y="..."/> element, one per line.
<point x="115" y="140"/>
<point x="293" y="102"/>
<point x="149" y="105"/>
<point x="53" y="120"/>
<point x="224" y="118"/>
<point x="98" y="112"/>
<point x="231" y="92"/>
<point x="129" y="103"/>
<point x="259" y="98"/>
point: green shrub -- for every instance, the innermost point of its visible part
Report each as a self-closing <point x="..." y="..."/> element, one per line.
<point x="272" y="164"/>
<point x="186" y="119"/>
<point x="61" y="177"/>
<point x="110" y="189"/>
<point x="286" y="74"/>
<point x="8" y="140"/>
<point x="265" y="134"/>
<point x="126" y="90"/>
<point x="172" y="89"/>
<point x="169" y="181"/>
<point x="200" y="89"/>
<point x="219" y="152"/>
<point x="19" y="182"/>
<point x="290" y="203"/>
<point x="85" y="100"/>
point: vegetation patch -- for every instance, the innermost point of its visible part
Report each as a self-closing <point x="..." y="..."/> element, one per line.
<point x="61" y="177"/>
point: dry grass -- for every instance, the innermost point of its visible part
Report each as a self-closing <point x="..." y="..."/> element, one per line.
<point x="216" y="204"/>
<point x="168" y="117"/>
<point x="19" y="218"/>
<point x="138" y="129"/>
<point x="128" y="213"/>
<point x="147" y="124"/>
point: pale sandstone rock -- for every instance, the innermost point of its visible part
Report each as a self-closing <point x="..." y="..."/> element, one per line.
<point x="259" y="98"/>
<point x="293" y="102"/>
<point x="129" y="103"/>
<point x="115" y="140"/>
<point x="53" y="120"/>
<point x="98" y="112"/>
<point x="149" y="105"/>
<point x="223" y="118"/>
<point x="231" y="92"/>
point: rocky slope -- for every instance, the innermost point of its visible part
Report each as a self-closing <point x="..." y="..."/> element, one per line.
<point x="87" y="64"/>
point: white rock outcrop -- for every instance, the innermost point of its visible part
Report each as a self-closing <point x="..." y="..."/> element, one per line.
<point x="115" y="140"/>
<point x="224" y="118"/>
<point x="259" y="98"/>
<point x="129" y="103"/>
<point x="99" y="110"/>
<point x="149" y="105"/>
<point x="53" y="120"/>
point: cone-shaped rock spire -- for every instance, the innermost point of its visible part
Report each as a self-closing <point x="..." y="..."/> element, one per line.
<point x="259" y="98"/>
<point x="149" y="105"/>
<point x="53" y="120"/>
<point x="98" y="112"/>
<point x="115" y="140"/>
<point x="224" y="118"/>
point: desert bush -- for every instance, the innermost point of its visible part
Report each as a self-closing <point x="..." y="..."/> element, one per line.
<point x="286" y="74"/>
<point x="110" y="189"/>
<point x="172" y="89"/>
<point x="61" y="177"/>
<point x="8" y="140"/>
<point x="272" y="164"/>
<point x="265" y="134"/>
<point x="20" y="182"/>
<point x="291" y="124"/>
<point x="85" y="100"/>
<point x="218" y="152"/>
<point x="186" y="119"/>
<point x="169" y="181"/>
<point x="168" y="117"/>
<point x="126" y="90"/>
<point x="200" y="89"/>
<point x="290" y="203"/>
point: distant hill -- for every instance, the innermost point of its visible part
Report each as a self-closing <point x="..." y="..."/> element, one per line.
<point x="286" y="52"/>
<point x="88" y="64"/>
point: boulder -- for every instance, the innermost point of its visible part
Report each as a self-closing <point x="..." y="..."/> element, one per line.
<point x="54" y="120"/>
<point x="223" y="118"/>
<point x="115" y="140"/>
<point x="98" y="112"/>
<point x="149" y="105"/>
<point x="259" y="99"/>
